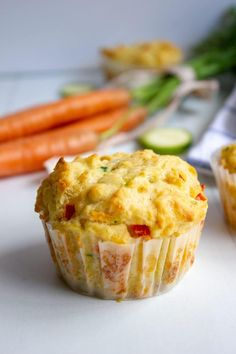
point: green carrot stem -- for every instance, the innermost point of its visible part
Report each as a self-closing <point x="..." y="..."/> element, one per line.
<point x="144" y="93"/>
<point x="164" y="96"/>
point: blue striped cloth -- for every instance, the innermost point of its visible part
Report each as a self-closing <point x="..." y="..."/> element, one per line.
<point x="222" y="131"/>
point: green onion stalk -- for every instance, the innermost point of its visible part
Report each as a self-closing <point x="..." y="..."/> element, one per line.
<point x="214" y="55"/>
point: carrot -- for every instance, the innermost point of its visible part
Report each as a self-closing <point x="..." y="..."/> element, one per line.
<point x="29" y="153"/>
<point x="100" y="122"/>
<point x="136" y="117"/>
<point x="105" y="121"/>
<point x="61" y="112"/>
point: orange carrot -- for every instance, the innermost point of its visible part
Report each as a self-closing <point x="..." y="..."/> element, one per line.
<point x="61" y="112"/>
<point x="105" y="121"/>
<point x="136" y="117"/>
<point x="29" y="153"/>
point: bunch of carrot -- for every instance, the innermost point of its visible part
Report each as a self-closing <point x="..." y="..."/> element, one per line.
<point x="65" y="127"/>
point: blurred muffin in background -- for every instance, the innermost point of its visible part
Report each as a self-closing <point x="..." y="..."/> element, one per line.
<point x="157" y="55"/>
<point x="224" y="168"/>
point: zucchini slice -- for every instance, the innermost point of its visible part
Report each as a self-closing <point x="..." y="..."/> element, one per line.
<point x="166" y="141"/>
<point x="75" y="89"/>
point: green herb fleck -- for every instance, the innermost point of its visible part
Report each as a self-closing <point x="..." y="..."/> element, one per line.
<point x="104" y="168"/>
<point x="89" y="255"/>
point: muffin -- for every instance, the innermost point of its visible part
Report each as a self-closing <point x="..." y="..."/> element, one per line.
<point x="156" y="55"/>
<point x="124" y="226"/>
<point x="224" y="167"/>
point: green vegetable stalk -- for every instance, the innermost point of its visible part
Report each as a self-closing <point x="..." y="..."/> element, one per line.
<point x="214" y="55"/>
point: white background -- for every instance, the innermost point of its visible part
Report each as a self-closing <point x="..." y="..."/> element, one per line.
<point x="55" y="34"/>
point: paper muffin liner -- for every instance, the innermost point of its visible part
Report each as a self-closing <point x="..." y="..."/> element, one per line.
<point x="226" y="183"/>
<point x="110" y="270"/>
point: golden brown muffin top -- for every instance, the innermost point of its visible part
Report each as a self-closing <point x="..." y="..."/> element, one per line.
<point x="154" y="54"/>
<point x="123" y="195"/>
<point x="228" y="158"/>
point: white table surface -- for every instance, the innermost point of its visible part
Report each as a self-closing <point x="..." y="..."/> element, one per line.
<point x="39" y="314"/>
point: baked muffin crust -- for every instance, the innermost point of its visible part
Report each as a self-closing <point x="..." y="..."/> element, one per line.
<point x="109" y="195"/>
<point x="228" y="158"/>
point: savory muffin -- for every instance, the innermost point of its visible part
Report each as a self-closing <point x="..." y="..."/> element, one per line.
<point x="228" y="158"/>
<point x="125" y="225"/>
<point x="224" y="167"/>
<point x="157" y="55"/>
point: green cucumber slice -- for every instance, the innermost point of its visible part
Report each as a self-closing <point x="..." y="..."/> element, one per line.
<point x="166" y="141"/>
<point x="75" y="89"/>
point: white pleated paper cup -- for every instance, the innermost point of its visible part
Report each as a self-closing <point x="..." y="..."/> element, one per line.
<point x="226" y="183"/>
<point x="109" y="270"/>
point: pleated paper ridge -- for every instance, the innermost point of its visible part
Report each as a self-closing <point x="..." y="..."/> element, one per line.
<point x="109" y="270"/>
